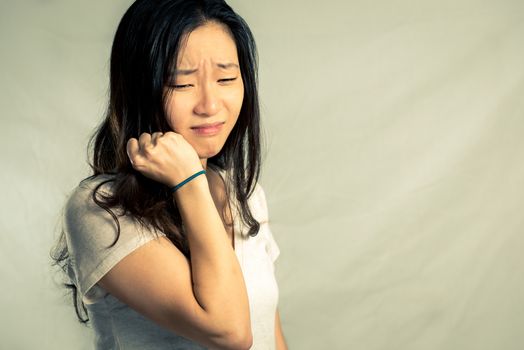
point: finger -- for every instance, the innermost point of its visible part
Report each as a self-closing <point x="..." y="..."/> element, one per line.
<point x="144" y="141"/>
<point x="170" y="134"/>
<point x="155" y="137"/>
<point x="132" y="149"/>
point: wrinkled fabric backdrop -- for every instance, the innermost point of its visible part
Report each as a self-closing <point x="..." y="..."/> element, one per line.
<point x="393" y="166"/>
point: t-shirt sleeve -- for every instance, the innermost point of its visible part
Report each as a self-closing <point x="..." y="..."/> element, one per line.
<point x="271" y="245"/>
<point x="90" y="230"/>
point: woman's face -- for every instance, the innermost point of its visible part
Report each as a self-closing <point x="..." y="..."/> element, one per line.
<point x="207" y="88"/>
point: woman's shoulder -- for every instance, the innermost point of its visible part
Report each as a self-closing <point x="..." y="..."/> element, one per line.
<point x="81" y="196"/>
<point x="89" y="220"/>
<point x="89" y="183"/>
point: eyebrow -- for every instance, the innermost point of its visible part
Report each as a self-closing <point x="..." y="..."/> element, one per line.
<point x="219" y="65"/>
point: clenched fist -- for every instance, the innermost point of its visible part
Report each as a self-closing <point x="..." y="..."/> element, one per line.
<point x="166" y="158"/>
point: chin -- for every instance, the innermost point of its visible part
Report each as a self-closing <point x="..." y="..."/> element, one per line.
<point x="210" y="151"/>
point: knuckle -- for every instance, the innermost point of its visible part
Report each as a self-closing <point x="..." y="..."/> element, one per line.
<point x="171" y="134"/>
<point x="147" y="149"/>
<point x="144" y="136"/>
<point x="134" y="162"/>
<point x="131" y="142"/>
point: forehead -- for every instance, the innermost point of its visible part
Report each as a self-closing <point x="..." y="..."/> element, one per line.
<point x="211" y="42"/>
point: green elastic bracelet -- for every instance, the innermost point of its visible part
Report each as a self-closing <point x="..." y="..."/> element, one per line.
<point x="187" y="180"/>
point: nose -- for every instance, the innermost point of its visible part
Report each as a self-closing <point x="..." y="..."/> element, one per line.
<point x="208" y="102"/>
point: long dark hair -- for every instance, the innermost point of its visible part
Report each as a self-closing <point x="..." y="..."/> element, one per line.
<point x="144" y="53"/>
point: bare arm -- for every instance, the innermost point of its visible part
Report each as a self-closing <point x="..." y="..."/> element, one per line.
<point x="204" y="299"/>
<point x="218" y="282"/>
<point x="279" y="336"/>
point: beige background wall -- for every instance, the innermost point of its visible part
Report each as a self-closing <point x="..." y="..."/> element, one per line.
<point x="394" y="172"/>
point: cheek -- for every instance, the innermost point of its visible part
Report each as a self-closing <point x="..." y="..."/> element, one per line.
<point x="236" y="99"/>
<point x="176" y="112"/>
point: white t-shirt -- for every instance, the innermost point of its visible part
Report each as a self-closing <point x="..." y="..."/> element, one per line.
<point x="90" y="230"/>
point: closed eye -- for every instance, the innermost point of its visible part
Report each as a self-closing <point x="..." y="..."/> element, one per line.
<point x="189" y="85"/>
<point x="181" y="86"/>
<point x="226" y="80"/>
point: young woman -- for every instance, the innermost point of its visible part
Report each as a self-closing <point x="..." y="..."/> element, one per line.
<point x="167" y="245"/>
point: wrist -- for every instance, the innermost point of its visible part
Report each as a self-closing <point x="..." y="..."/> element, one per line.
<point x="196" y="180"/>
<point x="196" y="190"/>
